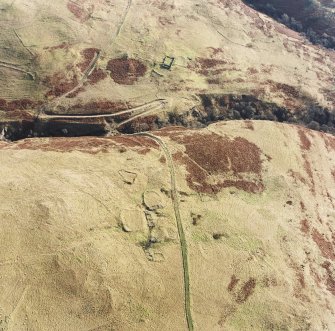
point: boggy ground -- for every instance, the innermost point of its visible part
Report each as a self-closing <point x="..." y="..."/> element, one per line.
<point x="89" y="239"/>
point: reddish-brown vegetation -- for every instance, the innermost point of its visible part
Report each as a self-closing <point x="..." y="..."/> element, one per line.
<point x="98" y="107"/>
<point x="329" y="142"/>
<point x="214" y="162"/>
<point x="126" y="71"/>
<point x="288" y="90"/>
<point x="91" y="145"/>
<point x="147" y="123"/>
<point x="247" y="290"/>
<point x="20" y="115"/>
<point x="96" y="76"/>
<point x="18" y="104"/>
<point x="252" y="71"/>
<point x="162" y="159"/>
<point x="249" y="125"/>
<point x="325" y="246"/>
<point x="208" y="66"/>
<point x="305" y="143"/>
<point x="215" y="51"/>
<point x="79" y="12"/>
<point x="163" y="5"/>
<point x="308" y="168"/>
<point x="333" y="174"/>
<point x="169" y="130"/>
<point x="60" y="84"/>
<point x="233" y="283"/>
<point x="304" y="226"/>
<point x="269" y="281"/>
<point x="165" y="21"/>
<point x="63" y="45"/>
<point x="214" y="81"/>
<point x="142" y="145"/>
<point x="302" y="206"/>
<point x="88" y="55"/>
<point x="330" y="283"/>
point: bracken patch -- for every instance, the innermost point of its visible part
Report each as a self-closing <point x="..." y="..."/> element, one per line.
<point x="18" y="104"/>
<point x="98" y="107"/>
<point x="304" y="226"/>
<point x="330" y="282"/>
<point x="96" y="76"/>
<point x="126" y="71"/>
<point x="148" y="123"/>
<point x="308" y="169"/>
<point x="90" y="145"/>
<point x="88" y="55"/>
<point x="325" y="246"/>
<point x="297" y="176"/>
<point x="214" y="162"/>
<point x="329" y="142"/>
<point x="79" y="12"/>
<point x="333" y="174"/>
<point x="246" y="291"/>
<point x="60" y="84"/>
<point x="249" y="125"/>
<point x="233" y="282"/>
<point x="305" y="143"/>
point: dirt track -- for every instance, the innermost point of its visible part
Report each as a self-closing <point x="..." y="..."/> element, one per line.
<point x="182" y="238"/>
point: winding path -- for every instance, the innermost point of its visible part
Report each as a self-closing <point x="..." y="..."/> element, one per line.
<point x="139" y="111"/>
<point x="182" y="238"/>
<point x="97" y="55"/>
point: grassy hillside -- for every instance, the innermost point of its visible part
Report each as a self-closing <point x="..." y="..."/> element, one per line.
<point x="90" y="240"/>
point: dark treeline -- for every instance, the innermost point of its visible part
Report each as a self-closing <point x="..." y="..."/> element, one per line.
<point x="313" y="22"/>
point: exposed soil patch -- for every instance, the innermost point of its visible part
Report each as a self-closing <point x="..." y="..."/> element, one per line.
<point x="246" y="291"/>
<point x="126" y="71"/>
<point x="214" y="162"/>
<point x="325" y="246"/>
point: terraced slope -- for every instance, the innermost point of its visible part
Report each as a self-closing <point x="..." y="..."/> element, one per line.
<point x="89" y="239"/>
